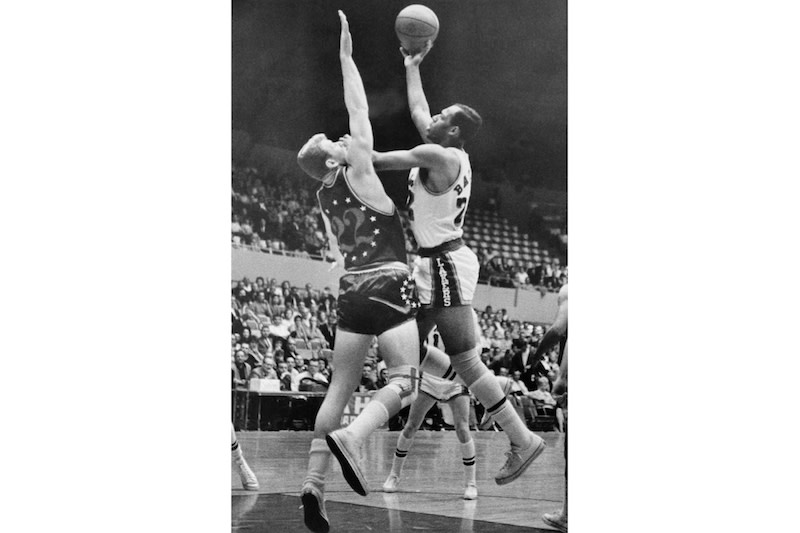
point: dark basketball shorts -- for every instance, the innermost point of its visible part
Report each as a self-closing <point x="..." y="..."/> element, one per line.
<point x="376" y="301"/>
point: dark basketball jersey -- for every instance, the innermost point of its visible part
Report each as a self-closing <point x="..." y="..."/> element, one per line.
<point x="367" y="237"/>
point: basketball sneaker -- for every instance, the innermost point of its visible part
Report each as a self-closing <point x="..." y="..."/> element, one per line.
<point x="314" y="515"/>
<point x="519" y="459"/>
<point x="348" y="452"/>
<point x="249" y="481"/>
<point x="390" y="485"/>
<point x="556" y="520"/>
<point x="471" y="492"/>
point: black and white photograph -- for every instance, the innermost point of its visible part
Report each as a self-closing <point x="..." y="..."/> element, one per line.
<point x="394" y="198"/>
<point x="399" y="266"/>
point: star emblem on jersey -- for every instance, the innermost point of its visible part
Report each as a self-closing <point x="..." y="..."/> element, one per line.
<point x="364" y="253"/>
<point x="335" y="202"/>
<point x="376" y="231"/>
<point x="372" y="219"/>
<point x="363" y="208"/>
<point x="347" y="200"/>
<point x="372" y="243"/>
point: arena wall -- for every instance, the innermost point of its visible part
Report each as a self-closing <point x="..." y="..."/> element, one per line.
<point x="523" y="304"/>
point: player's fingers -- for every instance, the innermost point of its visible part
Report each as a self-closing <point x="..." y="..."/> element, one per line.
<point x="403" y="51"/>
<point x="343" y="18"/>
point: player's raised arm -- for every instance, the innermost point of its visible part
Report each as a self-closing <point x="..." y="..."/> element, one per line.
<point x="359" y="154"/>
<point x="417" y="103"/>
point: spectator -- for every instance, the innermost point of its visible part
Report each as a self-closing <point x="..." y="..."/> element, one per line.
<point x="328" y="329"/>
<point x="367" y="379"/>
<point x="240" y="370"/>
<point x="285" y="376"/>
<point x="313" y="372"/>
<point x="522" y="360"/>
<point x="259" y="306"/>
<point x="265" y="371"/>
<point x="314" y="332"/>
<point x="327" y="301"/>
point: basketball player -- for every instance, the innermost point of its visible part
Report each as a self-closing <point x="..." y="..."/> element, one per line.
<point x="440" y="183"/>
<point x="455" y="394"/>
<point x="556" y="333"/>
<point x="249" y="481"/>
<point x="377" y="296"/>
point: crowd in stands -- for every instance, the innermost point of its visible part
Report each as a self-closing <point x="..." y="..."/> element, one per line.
<point x="280" y="215"/>
<point x="287" y="333"/>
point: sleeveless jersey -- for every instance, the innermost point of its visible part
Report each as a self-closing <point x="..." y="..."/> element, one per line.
<point x="367" y="237"/>
<point x="434" y="217"/>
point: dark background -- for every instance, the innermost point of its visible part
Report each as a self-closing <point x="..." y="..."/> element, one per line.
<point x="507" y="59"/>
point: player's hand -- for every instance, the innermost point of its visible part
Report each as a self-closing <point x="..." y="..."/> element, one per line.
<point x="413" y="60"/>
<point x="345" y="140"/>
<point x="345" y="40"/>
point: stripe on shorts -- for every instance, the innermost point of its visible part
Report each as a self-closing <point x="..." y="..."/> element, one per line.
<point x="446" y="291"/>
<point x="469" y="461"/>
<point x="401" y="454"/>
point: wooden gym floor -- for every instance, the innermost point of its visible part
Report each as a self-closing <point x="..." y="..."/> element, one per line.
<point x="430" y="491"/>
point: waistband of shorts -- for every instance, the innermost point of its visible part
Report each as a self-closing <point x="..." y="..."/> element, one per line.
<point x="448" y="246"/>
<point x="394" y="265"/>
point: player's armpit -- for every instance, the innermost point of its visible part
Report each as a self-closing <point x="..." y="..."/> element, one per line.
<point x="426" y="155"/>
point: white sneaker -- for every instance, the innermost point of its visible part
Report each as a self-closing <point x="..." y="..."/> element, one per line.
<point x="519" y="459"/>
<point x="314" y="515"/>
<point x="471" y="492"/>
<point x="556" y="520"/>
<point x="249" y="481"/>
<point x="390" y="485"/>
<point x="348" y="453"/>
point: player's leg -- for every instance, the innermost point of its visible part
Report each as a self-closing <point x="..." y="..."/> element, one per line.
<point x="460" y="407"/>
<point x="457" y="328"/>
<point x="249" y="481"/>
<point x="399" y="349"/>
<point x="349" y="354"/>
<point x="416" y="416"/>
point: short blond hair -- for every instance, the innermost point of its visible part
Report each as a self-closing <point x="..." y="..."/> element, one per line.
<point x="312" y="158"/>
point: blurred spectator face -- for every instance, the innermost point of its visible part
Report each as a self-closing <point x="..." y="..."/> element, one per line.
<point x="366" y="371"/>
<point x="503" y="371"/>
<point x="384" y="374"/>
<point x="552" y="376"/>
<point x="290" y="343"/>
<point x="517" y="375"/>
<point x="260" y="296"/>
<point x="242" y="294"/>
<point x="245" y="334"/>
<point x="240" y="357"/>
<point x="289" y="361"/>
<point x="265" y="332"/>
<point x="543" y="384"/>
<point x="276" y="320"/>
<point x="237" y="337"/>
<point x="254" y="345"/>
<point x="282" y="368"/>
<point x="312" y="322"/>
<point x="332" y="319"/>
<point x="553" y="357"/>
<point x="298" y="321"/>
<point x="538" y="331"/>
<point x="313" y="366"/>
<point x="268" y="363"/>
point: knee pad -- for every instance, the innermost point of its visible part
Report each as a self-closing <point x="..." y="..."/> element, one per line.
<point x="404" y="380"/>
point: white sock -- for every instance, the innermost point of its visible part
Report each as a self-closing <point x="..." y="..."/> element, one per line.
<point x="371" y="418"/>
<point x="400" y="453"/>
<point x="319" y="457"/>
<point x="468" y="457"/>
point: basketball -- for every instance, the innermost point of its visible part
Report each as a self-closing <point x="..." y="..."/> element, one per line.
<point x="414" y="25"/>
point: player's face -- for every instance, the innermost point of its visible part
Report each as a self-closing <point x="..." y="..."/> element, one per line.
<point x="335" y="150"/>
<point x="441" y="123"/>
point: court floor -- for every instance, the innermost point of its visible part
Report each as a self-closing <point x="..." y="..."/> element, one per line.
<point x="429" y="495"/>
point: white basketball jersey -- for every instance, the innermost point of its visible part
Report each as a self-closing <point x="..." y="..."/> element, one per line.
<point x="437" y="217"/>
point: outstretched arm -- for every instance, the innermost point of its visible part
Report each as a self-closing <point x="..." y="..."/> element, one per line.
<point x="559" y="327"/>
<point x="359" y="155"/>
<point x="417" y="103"/>
<point x="430" y="156"/>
